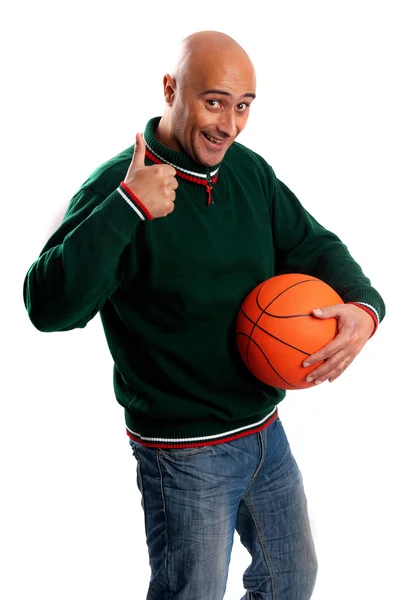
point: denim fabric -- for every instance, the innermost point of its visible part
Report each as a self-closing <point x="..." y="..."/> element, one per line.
<point x="195" y="498"/>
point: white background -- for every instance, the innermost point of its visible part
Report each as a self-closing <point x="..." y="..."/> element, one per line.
<point x="80" y="79"/>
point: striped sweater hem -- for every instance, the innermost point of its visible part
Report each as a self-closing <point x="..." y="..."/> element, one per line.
<point x="206" y="440"/>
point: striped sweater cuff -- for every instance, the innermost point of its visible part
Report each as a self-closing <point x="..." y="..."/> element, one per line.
<point x="134" y="202"/>
<point x="371" y="311"/>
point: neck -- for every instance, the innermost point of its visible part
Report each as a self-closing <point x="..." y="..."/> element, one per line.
<point x="164" y="136"/>
<point x="163" y="150"/>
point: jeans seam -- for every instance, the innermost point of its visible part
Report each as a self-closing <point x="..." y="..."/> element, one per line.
<point x="264" y="548"/>
<point x="256" y="522"/>
<point x="259" y="466"/>
<point x="139" y="476"/>
<point x="158" y="454"/>
<point x="141" y="489"/>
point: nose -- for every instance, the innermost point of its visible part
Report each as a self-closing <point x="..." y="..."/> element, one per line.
<point x="227" y="123"/>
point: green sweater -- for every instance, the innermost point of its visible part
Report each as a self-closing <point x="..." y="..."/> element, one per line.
<point x="168" y="290"/>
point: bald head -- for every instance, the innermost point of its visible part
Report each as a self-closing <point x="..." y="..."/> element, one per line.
<point x="206" y="49"/>
<point x="208" y="93"/>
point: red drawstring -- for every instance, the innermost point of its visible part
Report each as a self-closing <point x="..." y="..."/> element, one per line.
<point x="193" y="178"/>
<point x="209" y="194"/>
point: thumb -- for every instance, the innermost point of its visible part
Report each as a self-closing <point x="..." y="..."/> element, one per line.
<point x="139" y="152"/>
<point x="325" y="312"/>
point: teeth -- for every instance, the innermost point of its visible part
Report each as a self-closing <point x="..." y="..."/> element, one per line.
<point x="213" y="140"/>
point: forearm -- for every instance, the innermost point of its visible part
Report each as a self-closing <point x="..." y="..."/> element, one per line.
<point x="82" y="264"/>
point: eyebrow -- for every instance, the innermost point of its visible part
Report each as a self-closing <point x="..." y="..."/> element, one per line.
<point x="223" y="93"/>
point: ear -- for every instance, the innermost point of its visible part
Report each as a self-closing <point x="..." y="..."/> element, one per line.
<point x="169" y="86"/>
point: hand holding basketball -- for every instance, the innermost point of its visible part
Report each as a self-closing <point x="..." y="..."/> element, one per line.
<point x="355" y="326"/>
<point x="153" y="185"/>
<point x="286" y="343"/>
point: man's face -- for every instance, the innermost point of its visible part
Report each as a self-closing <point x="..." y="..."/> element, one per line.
<point x="210" y="107"/>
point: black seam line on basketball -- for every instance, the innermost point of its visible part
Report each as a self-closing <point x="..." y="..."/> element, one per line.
<point x="281" y="293"/>
<point x="255" y="323"/>
<point x="263" y="309"/>
<point x="276" y="372"/>
<point x="287" y="316"/>
<point x="271" y="335"/>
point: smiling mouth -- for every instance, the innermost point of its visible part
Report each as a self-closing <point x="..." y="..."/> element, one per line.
<point x="212" y="140"/>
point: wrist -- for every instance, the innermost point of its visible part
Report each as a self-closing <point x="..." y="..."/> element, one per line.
<point x="137" y="205"/>
<point x="371" y="311"/>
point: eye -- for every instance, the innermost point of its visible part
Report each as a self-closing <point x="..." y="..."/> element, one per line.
<point x="213" y="103"/>
<point x="242" y="106"/>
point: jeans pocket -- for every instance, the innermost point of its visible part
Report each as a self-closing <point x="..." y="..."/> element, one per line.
<point x="184" y="453"/>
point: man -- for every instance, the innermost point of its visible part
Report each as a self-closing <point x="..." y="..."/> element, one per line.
<point x="165" y="245"/>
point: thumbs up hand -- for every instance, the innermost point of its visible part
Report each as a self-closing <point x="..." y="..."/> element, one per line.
<point x="155" y="185"/>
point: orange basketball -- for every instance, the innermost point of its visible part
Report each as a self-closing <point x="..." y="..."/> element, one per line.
<point x="276" y="331"/>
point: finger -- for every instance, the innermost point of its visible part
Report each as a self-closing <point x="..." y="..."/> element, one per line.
<point x="330" y="369"/>
<point x="327" y="312"/>
<point x="173" y="183"/>
<point x="167" y="171"/>
<point x="327" y="351"/>
<point x="170" y="208"/>
<point x="138" y="159"/>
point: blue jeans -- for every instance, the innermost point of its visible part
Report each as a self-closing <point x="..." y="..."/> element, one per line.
<point x="195" y="498"/>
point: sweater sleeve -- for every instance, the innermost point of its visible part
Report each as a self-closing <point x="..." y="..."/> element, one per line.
<point x="304" y="246"/>
<point x="82" y="263"/>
